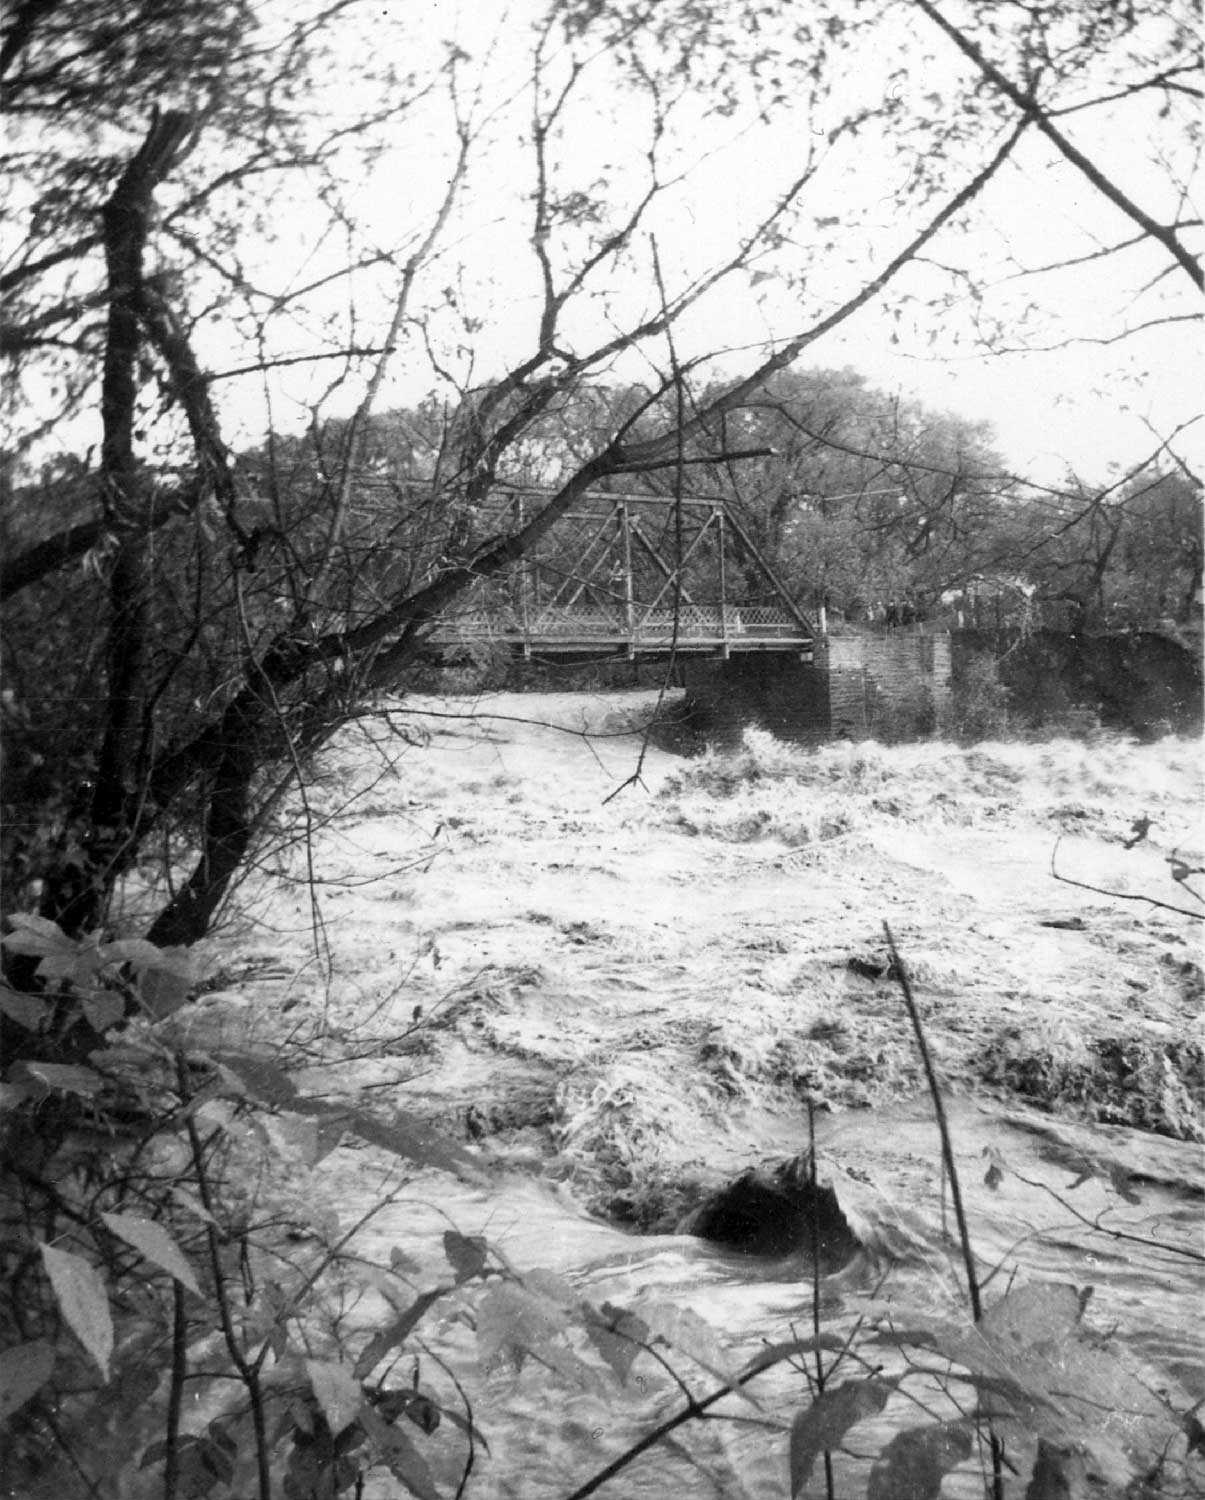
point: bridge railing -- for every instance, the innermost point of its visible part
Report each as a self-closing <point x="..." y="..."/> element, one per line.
<point x="694" y="623"/>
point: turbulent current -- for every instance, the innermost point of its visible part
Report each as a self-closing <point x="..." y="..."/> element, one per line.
<point x="621" y="1003"/>
<point x="1087" y="1245"/>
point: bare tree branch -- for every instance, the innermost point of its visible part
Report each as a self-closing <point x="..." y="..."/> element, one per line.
<point x="1164" y="234"/>
<point x="1100" y="890"/>
<point x="639" y="455"/>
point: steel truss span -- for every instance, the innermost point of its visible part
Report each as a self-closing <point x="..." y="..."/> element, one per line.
<point x="638" y="575"/>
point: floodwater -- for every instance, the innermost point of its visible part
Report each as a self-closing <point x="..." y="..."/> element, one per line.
<point x="621" y="1002"/>
<point x="1098" y="1217"/>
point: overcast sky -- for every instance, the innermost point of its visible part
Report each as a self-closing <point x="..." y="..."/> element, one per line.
<point x="1084" y="405"/>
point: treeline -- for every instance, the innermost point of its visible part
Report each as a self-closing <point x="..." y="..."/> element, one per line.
<point x="875" y="509"/>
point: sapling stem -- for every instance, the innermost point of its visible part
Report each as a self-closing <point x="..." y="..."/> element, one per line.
<point x="943" y="1126"/>
<point x="171" y="1466"/>
<point x="820" y="1376"/>
<point x="951" y="1171"/>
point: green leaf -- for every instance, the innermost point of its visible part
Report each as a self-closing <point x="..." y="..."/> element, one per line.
<point x="145" y="957"/>
<point x="135" y="1383"/>
<point x="165" y="975"/>
<point x="404" y="1135"/>
<point x="1035" y="1364"/>
<point x="825" y="1423"/>
<point x="203" y="1461"/>
<point x="24" y="1370"/>
<point x="193" y="1204"/>
<point x="775" y="1354"/>
<point x="65" y="1077"/>
<point x="102" y="1009"/>
<point x="37" y="937"/>
<point x="466" y="1254"/>
<point x="28" y="921"/>
<point x="997" y="1167"/>
<point x="203" y="1464"/>
<point x="336" y="1391"/>
<point x="463" y="1424"/>
<point x="163" y="993"/>
<point x="29" y="1011"/>
<point x="551" y="1284"/>
<point x="403" y="1459"/>
<point x="400" y="1261"/>
<point x="80" y="962"/>
<point x="396" y="1333"/>
<point x="684" y="1330"/>
<point x="914" y="1462"/>
<point x="262" y="1079"/>
<point x="513" y="1324"/>
<point x="1040" y="1313"/>
<point x="83" y="1302"/>
<point x="618" y="1336"/>
<point x="1122" y="1184"/>
<point x="153" y="1453"/>
<point x="1058" y="1473"/>
<point x="153" y="1242"/>
<point x="423" y="1412"/>
<point x="222" y="1433"/>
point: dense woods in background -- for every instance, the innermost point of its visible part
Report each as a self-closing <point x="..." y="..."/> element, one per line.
<point x="189" y="617"/>
<point x="856" y="498"/>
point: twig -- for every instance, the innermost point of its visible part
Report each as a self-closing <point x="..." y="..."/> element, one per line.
<point x="322" y="949"/>
<point x="476" y="716"/>
<point x="820" y="1376"/>
<point x="947" y="1154"/>
<point x="1116" y="1234"/>
<point x="943" y="1126"/>
<point x="171" y="1462"/>
<point x="310" y="1279"/>
<point x="694" y="1408"/>
<point x="247" y="1373"/>
<point x="470" y="1430"/>
<point x="46" y="1415"/>
<point x="1100" y="890"/>
<point x="678" y="461"/>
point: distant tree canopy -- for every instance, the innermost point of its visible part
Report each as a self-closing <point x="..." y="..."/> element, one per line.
<point x="863" y="501"/>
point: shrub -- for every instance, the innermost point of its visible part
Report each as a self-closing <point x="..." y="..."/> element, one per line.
<point x="159" y="1242"/>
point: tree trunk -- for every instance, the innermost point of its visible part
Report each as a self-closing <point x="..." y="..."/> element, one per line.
<point x="93" y="854"/>
<point x="229" y="828"/>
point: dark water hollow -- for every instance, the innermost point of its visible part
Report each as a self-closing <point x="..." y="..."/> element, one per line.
<point x="777" y="1212"/>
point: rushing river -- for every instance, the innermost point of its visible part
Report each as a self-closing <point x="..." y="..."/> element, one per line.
<point x="626" y="998"/>
<point x="1099" y="1219"/>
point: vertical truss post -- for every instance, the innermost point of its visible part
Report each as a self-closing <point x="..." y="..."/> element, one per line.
<point x="629" y="612"/>
<point x="524" y="583"/>
<point x="717" y="516"/>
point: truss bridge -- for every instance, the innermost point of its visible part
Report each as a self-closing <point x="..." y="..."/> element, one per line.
<point x="634" y="576"/>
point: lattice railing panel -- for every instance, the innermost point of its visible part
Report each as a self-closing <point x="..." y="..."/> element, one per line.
<point x="695" y="622"/>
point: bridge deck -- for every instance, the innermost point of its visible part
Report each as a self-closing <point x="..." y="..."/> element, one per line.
<point x="699" y="628"/>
